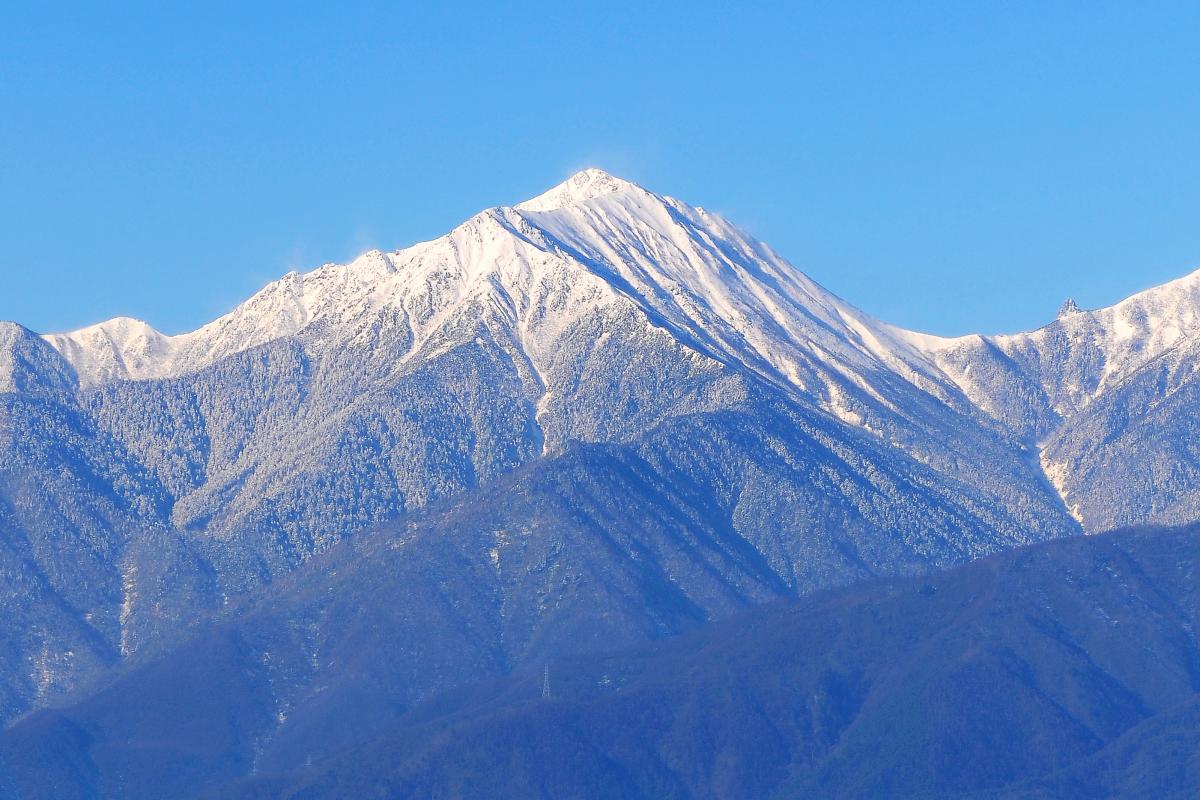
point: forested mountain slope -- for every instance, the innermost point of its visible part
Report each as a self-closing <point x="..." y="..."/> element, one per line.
<point x="1065" y="669"/>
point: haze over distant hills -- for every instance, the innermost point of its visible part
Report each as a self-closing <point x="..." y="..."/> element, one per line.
<point x="592" y="419"/>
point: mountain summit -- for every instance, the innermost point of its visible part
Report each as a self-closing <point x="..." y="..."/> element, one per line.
<point x="584" y="185"/>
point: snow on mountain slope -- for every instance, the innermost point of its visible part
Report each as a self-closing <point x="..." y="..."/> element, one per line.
<point x="422" y="287"/>
<point x="28" y="365"/>
<point x="119" y="349"/>
<point x="1082" y="353"/>
<point x="731" y="295"/>
<point x="1127" y="335"/>
<point x="594" y="240"/>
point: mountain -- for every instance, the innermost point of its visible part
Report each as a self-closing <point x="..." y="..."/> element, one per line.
<point x="1065" y="669"/>
<point x="592" y="313"/>
<point x="1105" y="395"/>
<point x="593" y="419"/>
<point x="350" y="397"/>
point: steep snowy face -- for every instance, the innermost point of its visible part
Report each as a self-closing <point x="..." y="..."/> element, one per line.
<point x="721" y="290"/>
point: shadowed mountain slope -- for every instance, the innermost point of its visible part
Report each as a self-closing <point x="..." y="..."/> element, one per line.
<point x="1065" y="669"/>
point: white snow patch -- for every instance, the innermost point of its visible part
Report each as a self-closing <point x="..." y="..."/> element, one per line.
<point x="128" y="596"/>
<point x="1057" y="474"/>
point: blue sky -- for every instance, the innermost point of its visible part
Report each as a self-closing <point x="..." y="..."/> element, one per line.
<point x="945" y="166"/>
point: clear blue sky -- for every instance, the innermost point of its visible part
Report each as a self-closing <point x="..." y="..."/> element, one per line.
<point x="946" y="166"/>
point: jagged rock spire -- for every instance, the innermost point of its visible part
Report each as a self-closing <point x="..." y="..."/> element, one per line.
<point x="1068" y="308"/>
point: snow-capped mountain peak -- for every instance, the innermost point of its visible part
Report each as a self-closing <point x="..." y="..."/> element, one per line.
<point x="596" y="241"/>
<point x="584" y="185"/>
<point x="596" y="252"/>
<point x="121" y="348"/>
